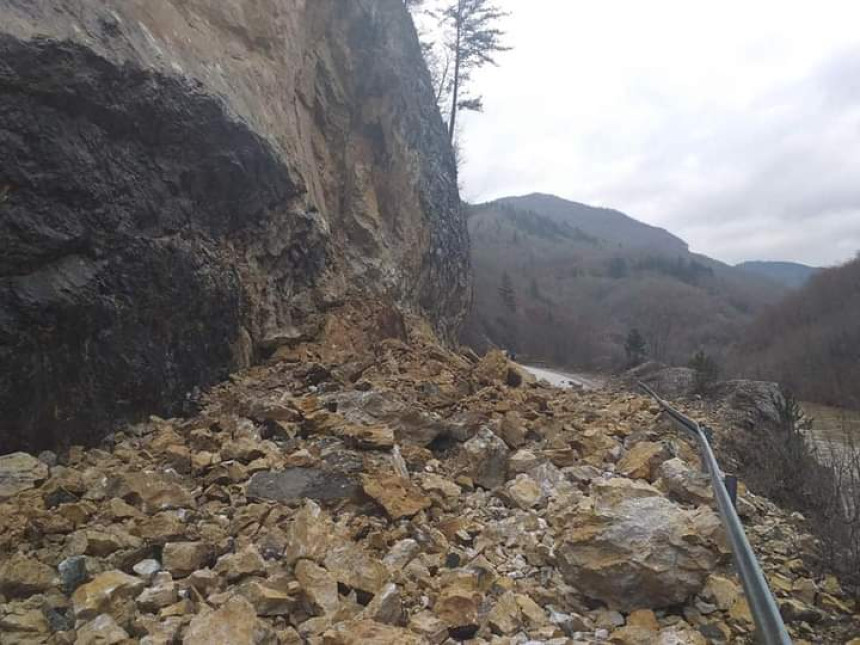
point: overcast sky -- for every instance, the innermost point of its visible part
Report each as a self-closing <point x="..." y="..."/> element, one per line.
<point x="734" y="124"/>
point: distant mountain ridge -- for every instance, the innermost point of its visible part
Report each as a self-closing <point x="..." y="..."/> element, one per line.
<point x="565" y="282"/>
<point x="791" y="274"/>
<point x="605" y="223"/>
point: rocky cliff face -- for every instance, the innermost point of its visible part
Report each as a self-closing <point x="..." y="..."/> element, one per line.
<point x="183" y="181"/>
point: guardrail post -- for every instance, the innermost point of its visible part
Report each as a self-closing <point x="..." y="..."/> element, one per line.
<point x="731" y="483"/>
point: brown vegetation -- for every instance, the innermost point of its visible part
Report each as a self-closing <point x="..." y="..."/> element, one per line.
<point x="820" y="478"/>
<point x="811" y="340"/>
<point x="566" y="283"/>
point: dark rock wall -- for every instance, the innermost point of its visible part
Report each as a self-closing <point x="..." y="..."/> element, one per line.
<point x="181" y="180"/>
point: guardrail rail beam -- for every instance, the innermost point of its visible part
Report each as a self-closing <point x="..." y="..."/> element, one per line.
<point x="770" y="629"/>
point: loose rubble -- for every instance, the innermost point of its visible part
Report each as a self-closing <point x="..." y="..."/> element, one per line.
<point x="362" y="489"/>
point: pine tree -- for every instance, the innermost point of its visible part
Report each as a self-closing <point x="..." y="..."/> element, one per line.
<point x="507" y="293"/>
<point x="705" y="372"/>
<point x="474" y="40"/>
<point x="635" y="348"/>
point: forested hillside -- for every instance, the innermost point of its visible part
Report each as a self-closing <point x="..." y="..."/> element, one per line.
<point x="566" y="283"/>
<point x="790" y="274"/>
<point x="811" y="340"/>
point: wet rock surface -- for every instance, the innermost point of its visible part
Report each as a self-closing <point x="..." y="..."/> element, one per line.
<point x="185" y="187"/>
<point x="594" y="530"/>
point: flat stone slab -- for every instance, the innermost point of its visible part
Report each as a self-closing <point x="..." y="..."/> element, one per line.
<point x="295" y="484"/>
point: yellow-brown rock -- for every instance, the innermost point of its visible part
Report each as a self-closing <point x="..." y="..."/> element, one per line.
<point x="641" y="461"/>
<point x="235" y="623"/>
<point x="399" y="497"/>
<point x="99" y="595"/>
<point x="359" y="632"/>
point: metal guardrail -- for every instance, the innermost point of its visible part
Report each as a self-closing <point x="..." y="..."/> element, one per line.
<point x="770" y="629"/>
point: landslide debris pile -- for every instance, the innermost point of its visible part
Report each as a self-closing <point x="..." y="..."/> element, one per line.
<point x="360" y="488"/>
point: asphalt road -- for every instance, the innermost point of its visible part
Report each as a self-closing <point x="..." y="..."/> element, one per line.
<point x="566" y="379"/>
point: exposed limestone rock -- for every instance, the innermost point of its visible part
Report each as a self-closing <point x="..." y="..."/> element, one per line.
<point x="368" y="437"/>
<point x="609" y="493"/>
<point x="244" y="563"/>
<point x="504" y="618"/>
<point x="296" y="182"/>
<point x="432" y="483"/>
<point x="512" y="431"/>
<point x="367" y="631"/>
<point x="493" y="368"/>
<point x="386" y="606"/>
<point x="524" y="491"/>
<point x="680" y="636"/>
<point x="354" y="567"/>
<point x="399" y="497"/>
<point x="100" y="595"/>
<point x="24" y="622"/>
<point x="749" y="401"/>
<point x="319" y="587"/>
<point x="522" y="461"/>
<point x="533" y="559"/>
<point x="309" y="535"/>
<point x="102" y="630"/>
<point x="428" y="627"/>
<point x="457" y="606"/>
<point x="266" y="600"/>
<point x="105" y="542"/>
<point x="162" y="594"/>
<point x="642" y="460"/>
<point x="236" y="623"/>
<point x="183" y="558"/>
<point x="19" y="472"/>
<point x="686" y="484"/>
<point x="21" y="576"/>
<point x="150" y="491"/>
<point x="486" y="459"/>
<point x="637" y="553"/>
<point x="721" y="591"/>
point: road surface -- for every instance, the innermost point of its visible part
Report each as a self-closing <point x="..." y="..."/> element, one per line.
<point x="564" y="379"/>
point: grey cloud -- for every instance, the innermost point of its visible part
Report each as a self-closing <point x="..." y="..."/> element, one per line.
<point x="772" y="177"/>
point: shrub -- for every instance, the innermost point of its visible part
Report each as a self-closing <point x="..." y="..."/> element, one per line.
<point x="635" y="348"/>
<point x="706" y="372"/>
<point x="820" y="479"/>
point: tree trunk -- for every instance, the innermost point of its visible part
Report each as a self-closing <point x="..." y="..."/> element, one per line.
<point x="452" y="123"/>
<point x="443" y="80"/>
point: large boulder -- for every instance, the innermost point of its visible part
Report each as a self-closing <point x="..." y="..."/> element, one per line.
<point x="751" y="401"/>
<point x="184" y="181"/>
<point x="636" y="552"/>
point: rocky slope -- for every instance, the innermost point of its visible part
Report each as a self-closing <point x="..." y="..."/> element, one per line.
<point x="183" y="183"/>
<point x="372" y="486"/>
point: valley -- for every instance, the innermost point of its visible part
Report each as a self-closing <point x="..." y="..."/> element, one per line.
<point x="567" y="283"/>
